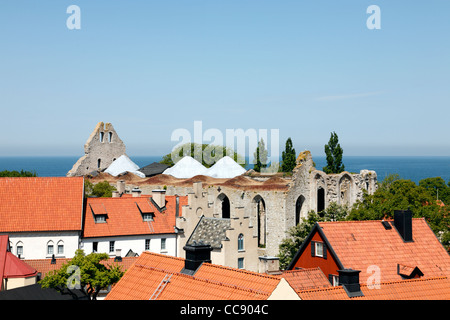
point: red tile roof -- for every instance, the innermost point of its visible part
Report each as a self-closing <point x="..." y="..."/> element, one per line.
<point x="124" y="216"/>
<point x="306" y="279"/>
<point x="361" y="244"/>
<point x="41" y="204"/>
<point x="414" y="289"/>
<point x="210" y="282"/>
<point x="10" y="265"/>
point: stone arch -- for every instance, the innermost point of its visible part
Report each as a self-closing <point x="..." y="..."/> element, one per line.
<point x="298" y="209"/>
<point x="345" y="189"/>
<point x="224" y="205"/>
<point x="259" y="206"/>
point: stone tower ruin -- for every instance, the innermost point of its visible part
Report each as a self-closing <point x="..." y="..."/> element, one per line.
<point x="101" y="149"/>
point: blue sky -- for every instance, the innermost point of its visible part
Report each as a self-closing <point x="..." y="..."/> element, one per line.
<point x="306" y="68"/>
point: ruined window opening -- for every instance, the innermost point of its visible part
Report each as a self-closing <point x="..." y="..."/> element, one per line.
<point x="320" y="199"/>
<point x="99" y="163"/>
<point x="102" y="135"/>
<point x="260" y="206"/>
<point x="298" y="209"/>
<point x="226" y="208"/>
<point x="110" y="137"/>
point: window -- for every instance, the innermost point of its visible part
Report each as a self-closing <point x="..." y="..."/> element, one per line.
<point x="50" y="249"/>
<point x="147" y="244"/>
<point x="19" y="250"/>
<point x="100" y="218"/>
<point x="99" y="163"/>
<point x="163" y="244"/>
<point x="147" y="217"/>
<point x="240" y="263"/>
<point x="111" y="246"/>
<point x="318" y="249"/>
<point x="94" y="246"/>
<point x="102" y="135"/>
<point x="241" y="242"/>
<point x="60" y="247"/>
<point x="335" y="282"/>
<point x="110" y="137"/>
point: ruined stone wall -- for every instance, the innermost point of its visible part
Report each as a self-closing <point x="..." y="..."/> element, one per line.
<point x="101" y="149"/>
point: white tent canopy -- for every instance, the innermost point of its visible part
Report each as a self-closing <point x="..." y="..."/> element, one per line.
<point x="226" y="167"/>
<point x="122" y="165"/>
<point x="187" y="167"/>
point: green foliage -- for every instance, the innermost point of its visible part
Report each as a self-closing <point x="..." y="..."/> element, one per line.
<point x="210" y="154"/>
<point x="288" y="157"/>
<point x="92" y="275"/>
<point x="16" y="173"/>
<point x="260" y="156"/>
<point x="101" y="189"/>
<point x="334" y="152"/>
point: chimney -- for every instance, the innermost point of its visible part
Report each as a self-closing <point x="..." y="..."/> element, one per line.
<point x="115" y="194"/>
<point x="136" y="192"/>
<point x="403" y="224"/>
<point x="269" y="265"/>
<point x="196" y="254"/>
<point x="118" y="257"/>
<point x="121" y="187"/>
<point x="349" y="279"/>
<point x="159" y="197"/>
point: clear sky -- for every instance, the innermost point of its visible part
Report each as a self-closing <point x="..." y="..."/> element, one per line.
<point x="149" y="67"/>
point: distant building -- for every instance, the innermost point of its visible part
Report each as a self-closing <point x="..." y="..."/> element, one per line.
<point x="101" y="149"/>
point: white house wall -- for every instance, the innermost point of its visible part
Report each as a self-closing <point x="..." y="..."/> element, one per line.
<point x="35" y="244"/>
<point x="134" y="243"/>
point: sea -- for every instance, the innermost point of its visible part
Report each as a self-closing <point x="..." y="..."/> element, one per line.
<point x="407" y="167"/>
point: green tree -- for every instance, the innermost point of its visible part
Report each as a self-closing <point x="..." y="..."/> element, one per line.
<point x="295" y="238"/>
<point x="437" y="188"/>
<point x="288" y="157"/>
<point x="210" y="154"/>
<point x="16" y="173"/>
<point x="84" y="272"/>
<point x="101" y="189"/>
<point x="334" y="152"/>
<point x="260" y="156"/>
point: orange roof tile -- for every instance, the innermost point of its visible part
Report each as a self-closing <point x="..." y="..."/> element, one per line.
<point x="437" y="288"/>
<point x="41" y="204"/>
<point x="210" y="282"/>
<point x="306" y="279"/>
<point x="124" y="216"/>
<point x="361" y="244"/>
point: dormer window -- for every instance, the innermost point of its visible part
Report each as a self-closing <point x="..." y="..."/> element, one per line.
<point x="100" y="218"/>
<point x="147" y="216"/>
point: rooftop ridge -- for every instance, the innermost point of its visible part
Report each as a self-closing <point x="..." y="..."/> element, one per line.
<point x="262" y="275"/>
<point x="242" y="288"/>
<point x="362" y="221"/>
<point x="381" y="283"/>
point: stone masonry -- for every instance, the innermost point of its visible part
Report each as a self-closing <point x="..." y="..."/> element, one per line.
<point x="101" y="149"/>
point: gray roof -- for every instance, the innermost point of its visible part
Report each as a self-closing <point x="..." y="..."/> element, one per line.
<point x="210" y="231"/>
<point x="153" y="169"/>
